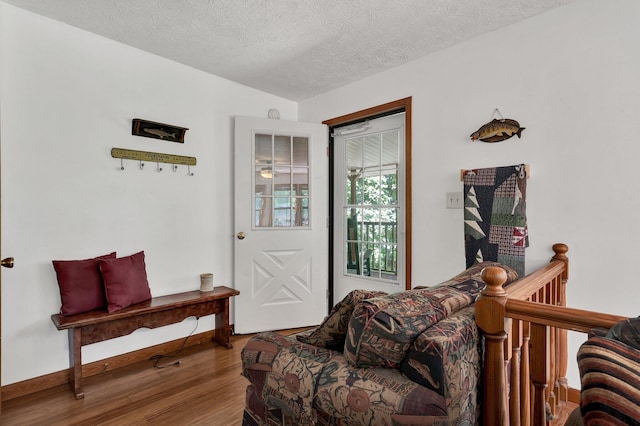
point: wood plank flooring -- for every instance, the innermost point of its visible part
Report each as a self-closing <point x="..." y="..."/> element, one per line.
<point x="205" y="389"/>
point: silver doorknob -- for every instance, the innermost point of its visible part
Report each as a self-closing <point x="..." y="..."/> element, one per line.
<point x="7" y="263"/>
<point x="241" y="235"/>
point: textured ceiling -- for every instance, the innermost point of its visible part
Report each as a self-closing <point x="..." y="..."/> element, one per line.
<point x="295" y="49"/>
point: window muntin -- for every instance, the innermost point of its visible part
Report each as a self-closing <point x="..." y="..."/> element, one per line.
<point x="371" y="205"/>
<point x="281" y="182"/>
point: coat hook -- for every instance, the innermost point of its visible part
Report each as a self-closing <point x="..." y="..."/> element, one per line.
<point x="121" y="164"/>
<point x="175" y="168"/>
<point x="189" y="171"/>
<point x="141" y="165"/>
<point x="158" y="168"/>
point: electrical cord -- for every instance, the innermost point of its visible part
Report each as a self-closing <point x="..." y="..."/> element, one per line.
<point x="159" y="357"/>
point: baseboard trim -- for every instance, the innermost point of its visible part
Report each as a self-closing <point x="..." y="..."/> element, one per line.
<point x="57" y="378"/>
<point x="574" y="395"/>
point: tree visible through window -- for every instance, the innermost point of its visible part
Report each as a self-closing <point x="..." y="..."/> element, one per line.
<point x="371" y="205"/>
<point x="370" y="192"/>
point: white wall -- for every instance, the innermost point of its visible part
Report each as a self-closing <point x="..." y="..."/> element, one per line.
<point x="66" y="98"/>
<point x="571" y="77"/>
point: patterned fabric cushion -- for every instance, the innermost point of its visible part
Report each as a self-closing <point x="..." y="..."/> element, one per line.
<point x="470" y="280"/>
<point x="627" y="332"/>
<point x="284" y="372"/>
<point x="446" y="358"/>
<point x="475" y="272"/>
<point x="375" y="397"/>
<point x="610" y="378"/>
<point x="255" y="409"/>
<point x="331" y="332"/>
<point x="295" y="383"/>
<point x="381" y="329"/>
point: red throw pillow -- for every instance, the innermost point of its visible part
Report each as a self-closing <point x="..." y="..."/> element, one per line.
<point x="125" y="281"/>
<point x="80" y="282"/>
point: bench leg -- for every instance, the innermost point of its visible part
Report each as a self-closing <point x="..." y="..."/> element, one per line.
<point x="75" y="360"/>
<point x="221" y="335"/>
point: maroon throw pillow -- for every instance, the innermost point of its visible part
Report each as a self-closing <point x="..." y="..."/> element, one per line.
<point x="80" y="282"/>
<point x="125" y="281"/>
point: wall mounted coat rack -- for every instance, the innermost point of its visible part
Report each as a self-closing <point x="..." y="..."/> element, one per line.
<point x="154" y="157"/>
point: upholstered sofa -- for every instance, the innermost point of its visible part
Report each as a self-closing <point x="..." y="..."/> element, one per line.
<point x="408" y="358"/>
<point x="609" y="364"/>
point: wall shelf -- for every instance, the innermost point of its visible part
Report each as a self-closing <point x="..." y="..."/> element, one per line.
<point x="151" y="129"/>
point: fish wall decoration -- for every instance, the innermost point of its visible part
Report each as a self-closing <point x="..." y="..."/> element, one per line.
<point x="497" y="130"/>
<point x="151" y="129"/>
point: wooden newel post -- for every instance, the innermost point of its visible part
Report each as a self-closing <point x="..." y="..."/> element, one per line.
<point x="490" y="317"/>
<point x="560" y="251"/>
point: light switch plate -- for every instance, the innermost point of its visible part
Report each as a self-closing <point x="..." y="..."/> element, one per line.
<point x="455" y="200"/>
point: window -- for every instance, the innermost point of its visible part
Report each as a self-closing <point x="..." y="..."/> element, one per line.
<point x="281" y="181"/>
<point x="371" y="209"/>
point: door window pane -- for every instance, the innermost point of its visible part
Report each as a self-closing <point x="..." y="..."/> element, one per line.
<point x="301" y="211"/>
<point x="300" y="179"/>
<point x="370" y="225"/>
<point x="353" y="154"/>
<point x="354" y="187"/>
<point x="371" y="188"/>
<point x="388" y="225"/>
<point x="389" y="187"/>
<point x="300" y="151"/>
<point x="371" y="210"/>
<point x="388" y="261"/>
<point x="370" y="261"/>
<point x="263" y="149"/>
<point x="281" y="181"/>
<point x="282" y="212"/>
<point x="263" y="180"/>
<point x="282" y="149"/>
<point x="372" y="152"/>
<point x="263" y="211"/>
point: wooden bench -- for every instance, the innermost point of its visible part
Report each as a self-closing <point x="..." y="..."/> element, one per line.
<point x="97" y="326"/>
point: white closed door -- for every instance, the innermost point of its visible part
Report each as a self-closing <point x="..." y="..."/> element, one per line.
<point x="281" y="237"/>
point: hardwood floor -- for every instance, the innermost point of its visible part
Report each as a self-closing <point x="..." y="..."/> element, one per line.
<point x="563" y="414"/>
<point x="205" y="389"/>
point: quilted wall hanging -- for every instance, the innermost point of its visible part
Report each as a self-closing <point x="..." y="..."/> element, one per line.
<point x="495" y="220"/>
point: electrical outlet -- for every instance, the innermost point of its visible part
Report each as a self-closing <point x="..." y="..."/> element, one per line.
<point x="455" y="200"/>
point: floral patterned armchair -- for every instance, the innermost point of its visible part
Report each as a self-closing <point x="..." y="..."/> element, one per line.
<point x="400" y="359"/>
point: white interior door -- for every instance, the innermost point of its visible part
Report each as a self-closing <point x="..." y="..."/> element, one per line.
<point x="369" y="206"/>
<point x="281" y="239"/>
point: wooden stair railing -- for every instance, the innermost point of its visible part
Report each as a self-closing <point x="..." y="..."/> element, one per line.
<point x="508" y="341"/>
<point x="525" y="328"/>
